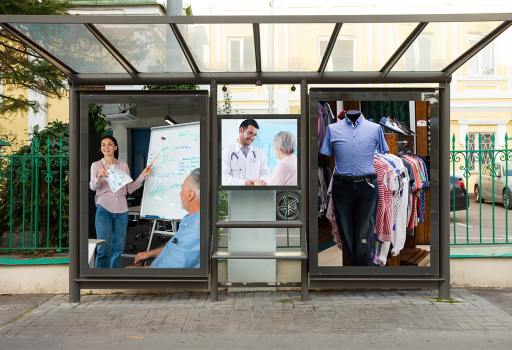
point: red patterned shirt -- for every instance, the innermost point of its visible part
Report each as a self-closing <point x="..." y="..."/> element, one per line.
<point x="384" y="223"/>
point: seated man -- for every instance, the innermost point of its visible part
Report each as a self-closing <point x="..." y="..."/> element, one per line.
<point x="182" y="250"/>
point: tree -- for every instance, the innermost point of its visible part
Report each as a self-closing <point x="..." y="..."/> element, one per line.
<point x="22" y="68"/>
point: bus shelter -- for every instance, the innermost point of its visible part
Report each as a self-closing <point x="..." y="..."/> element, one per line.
<point x="164" y="50"/>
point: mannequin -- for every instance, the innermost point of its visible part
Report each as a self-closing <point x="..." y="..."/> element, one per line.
<point x="353" y="115"/>
<point x="355" y="191"/>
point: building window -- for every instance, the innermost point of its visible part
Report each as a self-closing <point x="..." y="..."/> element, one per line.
<point x="342" y="56"/>
<point x="486" y="157"/>
<point x="241" y="54"/>
<point x="483" y="62"/>
<point x="419" y="56"/>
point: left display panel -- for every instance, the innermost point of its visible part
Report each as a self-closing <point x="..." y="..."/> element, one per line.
<point x="143" y="184"/>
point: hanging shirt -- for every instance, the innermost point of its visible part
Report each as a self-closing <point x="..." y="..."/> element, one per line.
<point x="321" y="126"/>
<point x="182" y="250"/>
<point x="354" y="145"/>
<point x="384" y="222"/>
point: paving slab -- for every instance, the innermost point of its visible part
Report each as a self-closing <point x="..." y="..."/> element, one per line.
<point x="12" y="306"/>
<point x="248" y="312"/>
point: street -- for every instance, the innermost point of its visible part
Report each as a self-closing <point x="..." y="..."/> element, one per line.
<point x="486" y="222"/>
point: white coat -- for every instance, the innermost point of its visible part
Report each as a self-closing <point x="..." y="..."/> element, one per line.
<point x="236" y="168"/>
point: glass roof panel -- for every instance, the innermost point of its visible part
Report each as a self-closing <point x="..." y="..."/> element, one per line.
<point x="150" y="48"/>
<point x="293" y="46"/>
<point x="441" y="43"/>
<point x="365" y="46"/>
<point x="221" y="47"/>
<point x="74" y="45"/>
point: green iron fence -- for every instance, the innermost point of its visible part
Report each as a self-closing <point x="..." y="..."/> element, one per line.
<point x="485" y="169"/>
<point x="34" y="197"/>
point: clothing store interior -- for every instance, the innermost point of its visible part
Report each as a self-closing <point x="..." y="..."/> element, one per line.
<point x="132" y="119"/>
<point x="383" y="225"/>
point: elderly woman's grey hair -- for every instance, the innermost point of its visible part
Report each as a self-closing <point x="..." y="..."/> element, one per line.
<point x="285" y="142"/>
<point x="194" y="182"/>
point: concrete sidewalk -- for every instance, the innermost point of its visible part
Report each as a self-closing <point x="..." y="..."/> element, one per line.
<point x="259" y="311"/>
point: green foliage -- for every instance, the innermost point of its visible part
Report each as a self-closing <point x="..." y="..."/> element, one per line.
<point x="170" y="87"/>
<point x="227" y="107"/>
<point x="22" y="68"/>
<point x="223" y="209"/>
<point x="37" y="189"/>
<point x="101" y="125"/>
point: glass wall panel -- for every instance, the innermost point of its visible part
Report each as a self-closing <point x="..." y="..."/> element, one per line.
<point x="375" y="210"/>
<point x="221" y="47"/>
<point x="294" y="46"/>
<point x="74" y="45"/>
<point x="150" y="48"/>
<point x="441" y="43"/>
<point x="365" y="46"/>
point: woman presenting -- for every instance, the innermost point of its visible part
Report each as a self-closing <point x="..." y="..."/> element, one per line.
<point x="285" y="173"/>
<point x="112" y="208"/>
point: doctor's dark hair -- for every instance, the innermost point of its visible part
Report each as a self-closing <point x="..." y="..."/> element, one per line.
<point x="116" y="152"/>
<point x="245" y="124"/>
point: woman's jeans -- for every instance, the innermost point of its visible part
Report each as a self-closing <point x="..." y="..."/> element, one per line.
<point x="355" y="208"/>
<point x="112" y="228"/>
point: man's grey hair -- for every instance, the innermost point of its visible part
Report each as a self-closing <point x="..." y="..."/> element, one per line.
<point x="194" y="182"/>
<point x="285" y="141"/>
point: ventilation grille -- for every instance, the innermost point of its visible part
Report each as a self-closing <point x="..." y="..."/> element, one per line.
<point x="121" y="117"/>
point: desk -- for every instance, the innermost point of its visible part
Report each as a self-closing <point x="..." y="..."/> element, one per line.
<point x="93" y="243"/>
<point x="134" y="211"/>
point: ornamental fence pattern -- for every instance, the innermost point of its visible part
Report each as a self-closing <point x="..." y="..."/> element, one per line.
<point x="34" y="197"/>
<point x="486" y="169"/>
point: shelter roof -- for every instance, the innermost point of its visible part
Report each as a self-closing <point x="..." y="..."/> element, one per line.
<point x="144" y="50"/>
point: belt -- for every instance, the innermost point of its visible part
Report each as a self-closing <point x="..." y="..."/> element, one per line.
<point x="359" y="178"/>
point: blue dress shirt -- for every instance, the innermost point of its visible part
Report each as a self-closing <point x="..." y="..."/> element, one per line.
<point x="354" y="145"/>
<point x="182" y="250"/>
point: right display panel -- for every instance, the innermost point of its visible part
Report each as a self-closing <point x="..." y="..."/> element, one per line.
<point x="374" y="168"/>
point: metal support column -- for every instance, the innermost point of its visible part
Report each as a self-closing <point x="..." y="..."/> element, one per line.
<point x="214" y="280"/>
<point x="304" y="178"/>
<point x="74" y="190"/>
<point x="444" y="189"/>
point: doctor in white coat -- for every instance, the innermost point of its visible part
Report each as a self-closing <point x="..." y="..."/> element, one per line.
<point x="242" y="163"/>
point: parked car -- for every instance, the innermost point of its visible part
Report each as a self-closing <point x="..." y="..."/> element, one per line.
<point x="485" y="193"/>
<point x="460" y="194"/>
<point x="287" y="205"/>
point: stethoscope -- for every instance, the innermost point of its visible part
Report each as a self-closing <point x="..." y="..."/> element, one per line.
<point x="238" y="161"/>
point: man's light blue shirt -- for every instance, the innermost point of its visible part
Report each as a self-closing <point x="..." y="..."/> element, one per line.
<point x="354" y="145"/>
<point x="182" y="250"/>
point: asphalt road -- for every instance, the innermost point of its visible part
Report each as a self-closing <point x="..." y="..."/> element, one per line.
<point x="427" y="340"/>
<point x="470" y="223"/>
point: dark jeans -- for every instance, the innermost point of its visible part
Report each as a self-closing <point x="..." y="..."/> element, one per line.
<point x="355" y="208"/>
<point x="112" y="228"/>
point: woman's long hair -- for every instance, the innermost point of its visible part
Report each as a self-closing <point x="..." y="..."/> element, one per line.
<point x="116" y="152"/>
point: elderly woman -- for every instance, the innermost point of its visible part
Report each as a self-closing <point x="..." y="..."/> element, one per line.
<point x="285" y="173"/>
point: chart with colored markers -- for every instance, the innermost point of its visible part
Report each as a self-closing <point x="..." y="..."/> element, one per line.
<point x="174" y="152"/>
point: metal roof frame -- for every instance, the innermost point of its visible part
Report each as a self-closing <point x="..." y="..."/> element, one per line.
<point x="133" y="77"/>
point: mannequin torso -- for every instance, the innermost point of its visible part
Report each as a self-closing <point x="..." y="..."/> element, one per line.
<point x="353" y="115"/>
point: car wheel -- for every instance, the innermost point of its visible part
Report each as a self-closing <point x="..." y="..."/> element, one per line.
<point x="288" y="204"/>
<point x="507" y="203"/>
<point x="478" y="198"/>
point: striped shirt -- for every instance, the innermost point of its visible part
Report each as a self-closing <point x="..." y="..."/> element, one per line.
<point x="384" y="222"/>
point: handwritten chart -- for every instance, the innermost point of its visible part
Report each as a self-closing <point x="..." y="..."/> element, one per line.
<point x="117" y="179"/>
<point x="177" y="147"/>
